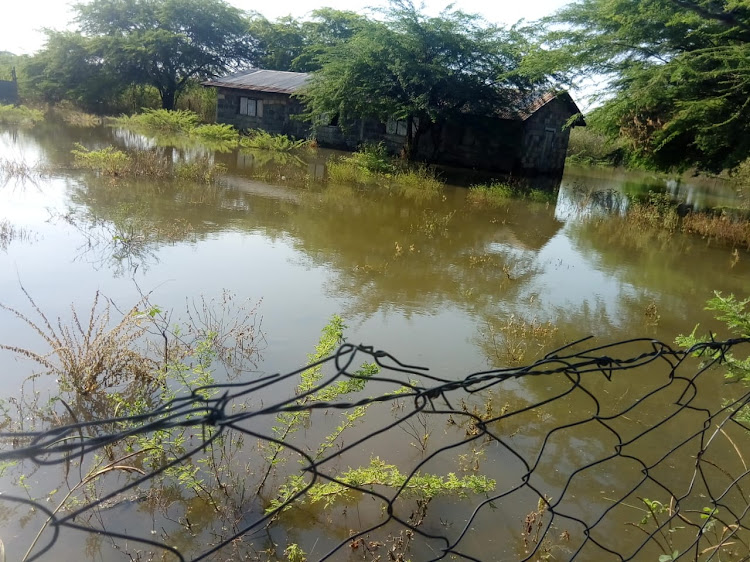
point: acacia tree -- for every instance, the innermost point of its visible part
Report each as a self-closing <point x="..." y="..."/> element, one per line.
<point x="164" y="43"/>
<point x="423" y="70"/>
<point x="679" y="74"/>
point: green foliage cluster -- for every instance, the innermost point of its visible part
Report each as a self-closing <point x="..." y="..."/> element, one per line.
<point x="677" y="75"/>
<point x="166" y="44"/>
<point x="113" y="162"/>
<point x="426" y="71"/>
<point x="19" y="115"/>
<point x="589" y="147"/>
<point x="160" y="121"/>
<point x="735" y="314"/>
<point x="372" y="164"/>
<point x="497" y="194"/>
<point x="263" y="140"/>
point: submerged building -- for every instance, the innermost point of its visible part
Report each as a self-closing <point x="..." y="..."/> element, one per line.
<point x="529" y="137"/>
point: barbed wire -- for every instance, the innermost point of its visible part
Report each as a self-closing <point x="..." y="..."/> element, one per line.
<point x="624" y="451"/>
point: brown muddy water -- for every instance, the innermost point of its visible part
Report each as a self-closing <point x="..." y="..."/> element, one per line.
<point x="431" y="278"/>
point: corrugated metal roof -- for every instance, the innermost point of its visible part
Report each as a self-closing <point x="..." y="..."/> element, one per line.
<point x="262" y="81"/>
<point x="282" y="82"/>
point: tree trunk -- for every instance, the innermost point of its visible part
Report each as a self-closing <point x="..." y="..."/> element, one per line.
<point x="168" y="98"/>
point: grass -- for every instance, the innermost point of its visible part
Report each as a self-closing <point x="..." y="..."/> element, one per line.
<point x="373" y="165"/>
<point x="87" y="355"/>
<point x="19" y="115"/>
<point x="75" y="117"/>
<point x="263" y="140"/>
<point x="110" y="161"/>
<point x="21" y="171"/>
<point x="657" y="212"/>
<point x="497" y="194"/>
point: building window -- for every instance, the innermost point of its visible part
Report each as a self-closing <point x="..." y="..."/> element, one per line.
<point x="251" y="107"/>
<point x="397" y="127"/>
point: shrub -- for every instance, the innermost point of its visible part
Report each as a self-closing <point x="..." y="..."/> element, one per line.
<point x="19" y="115"/>
<point x="109" y="160"/>
<point x="161" y="121"/>
<point x="264" y="140"/>
<point x="216" y="132"/>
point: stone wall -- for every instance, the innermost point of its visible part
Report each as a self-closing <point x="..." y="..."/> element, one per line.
<point x="537" y="145"/>
<point x="276" y="116"/>
<point x="8" y="91"/>
<point x="545" y="139"/>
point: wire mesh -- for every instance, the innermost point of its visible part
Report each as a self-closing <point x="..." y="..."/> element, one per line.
<point x="627" y="451"/>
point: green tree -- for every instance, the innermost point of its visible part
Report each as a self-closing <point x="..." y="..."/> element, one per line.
<point x="291" y="44"/>
<point x="69" y="67"/>
<point x="678" y="74"/>
<point x="422" y="70"/>
<point x="163" y="43"/>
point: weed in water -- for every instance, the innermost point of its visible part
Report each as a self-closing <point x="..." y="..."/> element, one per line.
<point x="10" y="233"/>
<point x="217" y="132"/>
<point x="493" y="194"/>
<point x="263" y="140"/>
<point x="516" y="338"/>
<point x="160" y="121"/>
<point x="87" y="356"/>
<point x="20" y="115"/>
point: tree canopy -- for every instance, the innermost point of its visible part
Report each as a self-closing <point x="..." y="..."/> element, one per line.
<point x="423" y="70"/>
<point x="678" y="70"/>
<point x="163" y="43"/>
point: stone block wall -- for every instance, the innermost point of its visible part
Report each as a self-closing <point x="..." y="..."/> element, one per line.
<point x="545" y="139"/>
<point x="537" y="145"/>
<point x="277" y="114"/>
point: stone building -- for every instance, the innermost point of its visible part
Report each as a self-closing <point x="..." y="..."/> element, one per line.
<point x="530" y="137"/>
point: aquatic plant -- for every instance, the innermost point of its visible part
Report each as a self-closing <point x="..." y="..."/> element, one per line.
<point x="160" y="121"/>
<point x="493" y="194"/>
<point x="263" y="140"/>
<point x="88" y="355"/>
<point x="113" y="162"/>
<point x="75" y="117"/>
<point x="217" y="132"/>
<point x="109" y="160"/>
<point x="10" y="232"/>
<point x="19" y="115"/>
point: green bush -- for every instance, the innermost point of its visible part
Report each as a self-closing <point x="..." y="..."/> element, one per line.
<point x="161" y="121"/>
<point x="263" y="140"/>
<point x="109" y="160"/>
<point x="216" y="132"/>
<point x="19" y="115"/>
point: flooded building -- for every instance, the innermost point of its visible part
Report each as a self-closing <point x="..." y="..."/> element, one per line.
<point x="529" y="137"/>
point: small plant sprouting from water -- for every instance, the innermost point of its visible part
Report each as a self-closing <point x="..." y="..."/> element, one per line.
<point x="515" y="338"/>
<point x="10" y="233"/>
<point x="160" y="121"/>
<point x="88" y="355"/>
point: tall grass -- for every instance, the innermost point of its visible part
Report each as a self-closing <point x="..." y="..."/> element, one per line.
<point x="113" y="162"/>
<point x="75" y="117"/>
<point x="87" y="353"/>
<point x="19" y="115"/>
<point x="372" y="164"/>
<point x="217" y="132"/>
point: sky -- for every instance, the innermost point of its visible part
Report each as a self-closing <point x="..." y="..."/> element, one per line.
<point x="23" y="20"/>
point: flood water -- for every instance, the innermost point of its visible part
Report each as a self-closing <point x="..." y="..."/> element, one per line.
<point x="432" y="278"/>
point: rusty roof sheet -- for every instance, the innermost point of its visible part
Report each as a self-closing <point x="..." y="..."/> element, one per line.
<point x="524" y="107"/>
<point x="261" y="80"/>
<point x="521" y="108"/>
